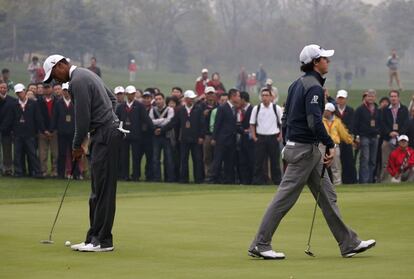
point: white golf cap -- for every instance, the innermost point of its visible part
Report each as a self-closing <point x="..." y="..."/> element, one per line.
<point x="329" y="107"/>
<point x="190" y="94"/>
<point x="342" y="94"/>
<point x="403" y="137"/>
<point x="119" y="89"/>
<point x="209" y="89"/>
<point x="50" y="62"/>
<point x="204" y="70"/>
<point x="65" y="86"/>
<point x="130" y="89"/>
<point x="311" y="52"/>
<point x="19" y="88"/>
<point x="269" y="81"/>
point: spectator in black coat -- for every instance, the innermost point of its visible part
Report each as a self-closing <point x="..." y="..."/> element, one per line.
<point x="394" y="121"/>
<point x="64" y="124"/>
<point x="346" y="113"/>
<point x="134" y="118"/>
<point x="6" y="103"/>
<point x="25" y="121"/>
<point x="224" y="139"/>
<point x="191" y="123"/>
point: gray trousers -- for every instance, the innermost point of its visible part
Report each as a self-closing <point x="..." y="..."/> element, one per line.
<point x="304" y="167"/>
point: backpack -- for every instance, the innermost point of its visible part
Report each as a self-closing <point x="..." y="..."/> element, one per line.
<point x="274" y="109"/>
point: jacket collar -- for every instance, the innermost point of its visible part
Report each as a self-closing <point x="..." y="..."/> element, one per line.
<point x="317" y="76"/>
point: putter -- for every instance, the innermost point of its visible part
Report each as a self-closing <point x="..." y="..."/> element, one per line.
<point x="308" y="251"/>
<point x="50" y="241"/>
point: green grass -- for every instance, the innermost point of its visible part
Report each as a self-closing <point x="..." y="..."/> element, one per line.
<point x="190" y="231"/>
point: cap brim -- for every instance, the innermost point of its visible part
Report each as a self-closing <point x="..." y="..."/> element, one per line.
<point x="327" y="53"/>
<point x="48" y="77"/>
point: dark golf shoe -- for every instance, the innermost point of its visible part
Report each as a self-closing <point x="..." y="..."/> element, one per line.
<point x="267" y="255"/>
<point x="363" y="246"/>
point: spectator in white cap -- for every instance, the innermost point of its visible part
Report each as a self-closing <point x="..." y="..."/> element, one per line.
<point x="135" y="119"/>
<point x="346" y="114"/>
<point x="201" y="82"/>
<point x="339" y="134"/>
<point x="120" y="95"/>
<point x="401" y="162"/>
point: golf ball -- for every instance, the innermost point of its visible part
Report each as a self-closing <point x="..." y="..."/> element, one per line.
<point x="67" y="243"/>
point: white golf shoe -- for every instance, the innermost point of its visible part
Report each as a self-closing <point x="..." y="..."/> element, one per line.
<point x="363" y="246"/>
<point x="95" y="248"/>
<point x="76" y="247"/>
<point x="267" y="255"/>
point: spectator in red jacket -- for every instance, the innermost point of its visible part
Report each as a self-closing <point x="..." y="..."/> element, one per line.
<point x="401" y="162"/>
<point x="217" y="84"/>
<point x="202" y="82"/>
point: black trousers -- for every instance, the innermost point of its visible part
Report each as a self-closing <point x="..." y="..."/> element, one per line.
<point x="224" y="155"/>
<point x="64" y="150"/>
<point x="267" y="147"/>
<point x="104" y="159"/>
<point x="127" y="146"/>
<point x="146" y="147"/>
<point x="349" y="174"/>
<point x="197" y="157"/>
<point x="246" y="160"/>
<point x="23" y="147"/>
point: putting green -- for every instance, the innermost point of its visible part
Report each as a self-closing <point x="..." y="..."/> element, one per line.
<point x="176" y="231"/>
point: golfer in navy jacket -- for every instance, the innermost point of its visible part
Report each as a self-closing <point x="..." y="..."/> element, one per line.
<point x="94" y="107"/>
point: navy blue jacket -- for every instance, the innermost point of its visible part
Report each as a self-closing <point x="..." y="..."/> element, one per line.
<point x="25" y="123"/>
<point x="362" y="122"/>
<point x="47" y="120"/>
<point x="387" y="122"/>
<point x="63" y="118"/>
<point x="225" y="127"/>
<point x="302" y="117"/>
<point x="134" y="120"/>
<point x="197" y="124"/>
<point x="5" y="106"/>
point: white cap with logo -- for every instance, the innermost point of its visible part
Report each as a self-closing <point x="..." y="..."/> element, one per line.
<point x="190" y="94"/>
<point x="403" y="137"/>
<point x="65" y="86"/>
<point x="311" y="52"/>
<point x="50" y="62"/>
<point x="19" y="88"/>
<point x="130" y="89"/>
<point x="329" y="107"/>
<point x="342" y="94"/>
<point x="209" y="89"/>
<point x="119" y="89"/>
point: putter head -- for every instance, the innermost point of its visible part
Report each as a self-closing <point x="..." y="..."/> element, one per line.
<point x="309" y="253"/>
<point x="49" y="241"/>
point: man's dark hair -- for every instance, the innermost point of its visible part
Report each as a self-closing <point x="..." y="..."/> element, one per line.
<point x="266" y="89"/>
<point x="93" y="58"/>
<point x="40" y="83"/>
<point x="172" y="98"/>
<point x="30" y="84"/>
<point x="35" y="58"/>
<point x="245" y="96"/>
<point x="177" y="88"/>
<point x="5" y="71"/>
<point x="394" y="91"/>
<point x="308" y="67"/>
<point x="223" y="95"/>
<point x="150" y="90"/>
<point x="384" y="99"/>
<point x="233" y="92"/>
<point x="46" y="85"/>
<point x="55" y="84"/>
<point x="159" y="94"/>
